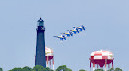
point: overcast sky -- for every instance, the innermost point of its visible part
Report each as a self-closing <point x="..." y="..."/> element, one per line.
<point x="107" y="24"/>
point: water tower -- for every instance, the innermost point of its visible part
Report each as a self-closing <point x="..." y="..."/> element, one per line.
<point x="49" y="57"/>
<point x="101" y="58"/>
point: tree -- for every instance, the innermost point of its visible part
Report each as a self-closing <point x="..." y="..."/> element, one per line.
<point x="82" y="70"/>
<point x="38" y="68"/>
<point x="16" y="69"/>
<point x="68" y="69"/>
<point x="63" y="68"/>
<point x="111" y="69"/>
<point x="118" y="69"/>
<point x="1" y="69"/>
<point x="26" y="68"/>
<point x="47" y="69"/>
<point x="99" y="70"/>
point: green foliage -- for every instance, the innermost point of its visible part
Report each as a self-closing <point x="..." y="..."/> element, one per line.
<point x="16" y="69"/>
<point x="1" y="69"/>
<point x="82" y="70"/>
<point x="38" y="68"/>
<point x="47" y="69"/>
<point x="26" y="68"/>
<point x="68" y="69"/>
<point x="63" y="68"/>
<point x="98" y="70"/>
<point x="111" y="69"/>
<point x="41" y="68"/>
<point x="118" y="69"/>
<point x="60" y="68"/>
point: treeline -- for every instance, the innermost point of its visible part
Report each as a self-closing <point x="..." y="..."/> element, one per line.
<point x="116" y="69"/>
<point x="60" y="68"/>
<point x="39" y="68"/>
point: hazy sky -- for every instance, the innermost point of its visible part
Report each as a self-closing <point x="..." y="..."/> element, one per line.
<point x="107" y="24"/>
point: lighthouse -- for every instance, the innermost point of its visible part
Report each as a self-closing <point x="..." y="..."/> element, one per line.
<point x="40" y="44"/>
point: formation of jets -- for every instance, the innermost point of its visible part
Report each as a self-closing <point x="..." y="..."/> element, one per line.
<point x="69" y="33"/>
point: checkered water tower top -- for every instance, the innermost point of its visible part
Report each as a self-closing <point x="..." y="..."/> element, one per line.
<point x="102" y="55"/>
<point x="48" y="51"/>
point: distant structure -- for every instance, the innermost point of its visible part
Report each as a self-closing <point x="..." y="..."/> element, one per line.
<point x="40" y="44"/>
<point x="101" y="58"/>
<point x="49" y="57"/>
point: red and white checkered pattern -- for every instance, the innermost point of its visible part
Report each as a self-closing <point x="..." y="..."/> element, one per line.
<point x="101" y="55"/>
<point x="48" y="51"/>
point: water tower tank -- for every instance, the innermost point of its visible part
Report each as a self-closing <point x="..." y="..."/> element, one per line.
<point x="49" y="56"/>
<point x="101" y="58"/>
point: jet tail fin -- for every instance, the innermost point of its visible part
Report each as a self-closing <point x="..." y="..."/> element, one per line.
<point x="55" y="36"/>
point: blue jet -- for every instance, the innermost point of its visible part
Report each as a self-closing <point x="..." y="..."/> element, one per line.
<point x="61" y="37"/>
<point x="69" y="33"/>
<point x="81" y="28"/>
<point x="75" y="30"/>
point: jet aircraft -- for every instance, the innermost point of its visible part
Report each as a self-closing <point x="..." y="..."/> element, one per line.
<point x="69" y="33"/>
<point x="61" y="37"/>
<point x="75" y="30"/>
<point x="81" y="28"/>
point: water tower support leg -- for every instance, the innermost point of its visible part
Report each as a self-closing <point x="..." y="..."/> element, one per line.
<point x="90" y="65"/>
<point x="108" y="66"/>
<point x="50" y="64"/>
<point x="93" y="66"/>
<point x="112" y="64"/>
<point x="97" y="66"/>
<point x="47" y="61"/>
<point x="53" y="62"/>
<point x="105" y="64"/>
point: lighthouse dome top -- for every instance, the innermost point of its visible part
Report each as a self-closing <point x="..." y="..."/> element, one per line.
<point x="40" y="22"/>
